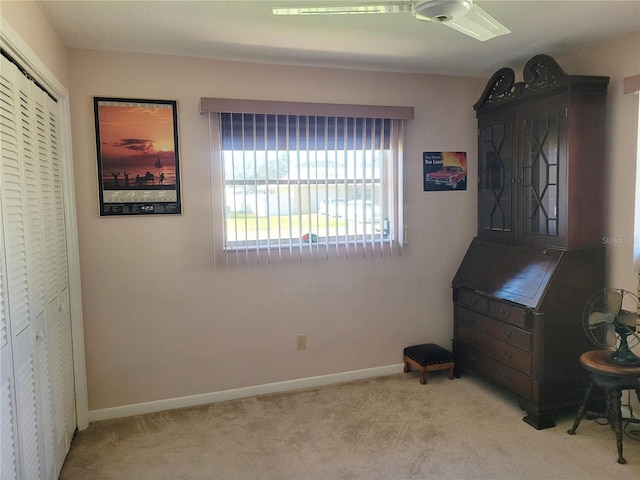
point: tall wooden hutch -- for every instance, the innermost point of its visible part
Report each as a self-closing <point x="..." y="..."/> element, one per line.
<point x="538" y="256"/>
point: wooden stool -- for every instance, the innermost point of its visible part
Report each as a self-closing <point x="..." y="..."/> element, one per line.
<point x="428" y="357"/>
<point x="613" y="378"/>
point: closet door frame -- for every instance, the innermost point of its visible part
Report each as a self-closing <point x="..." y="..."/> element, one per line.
<point x="13" y="44"/>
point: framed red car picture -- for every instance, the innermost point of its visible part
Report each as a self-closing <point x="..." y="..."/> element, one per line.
<point x="137" y="151"/>
<point x="444" y="171"/>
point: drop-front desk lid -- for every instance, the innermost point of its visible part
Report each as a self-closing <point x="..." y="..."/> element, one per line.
<point x="510" y="272"/>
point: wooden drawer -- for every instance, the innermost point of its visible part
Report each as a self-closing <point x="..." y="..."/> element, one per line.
<point x="499" y="373"/>
<point x="500" y="330"/>
<point x="473" y="300"/>
<point x="500" y="351"/>
<point x="509" y="313"/>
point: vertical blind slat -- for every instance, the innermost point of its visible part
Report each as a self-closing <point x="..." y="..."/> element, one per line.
<point x="337" y="192"/>
<point x="279" y="200"/>
<point x="255" y="182"/>
<point x="268" y="196"/>
<point x="244" y="169"/>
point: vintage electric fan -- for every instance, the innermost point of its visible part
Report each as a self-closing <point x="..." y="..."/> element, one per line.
<point x="611" y="321"/>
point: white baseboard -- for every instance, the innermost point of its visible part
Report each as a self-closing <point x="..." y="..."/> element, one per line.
<point x="224" y="395"/>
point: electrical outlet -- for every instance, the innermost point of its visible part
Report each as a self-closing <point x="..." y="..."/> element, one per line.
<point x="301" y="342"/>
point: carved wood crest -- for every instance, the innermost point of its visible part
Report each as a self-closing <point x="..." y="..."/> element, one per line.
<point x="542" y="76"/>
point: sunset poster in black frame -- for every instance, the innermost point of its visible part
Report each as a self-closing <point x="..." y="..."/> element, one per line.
<point x="138" y="157"/>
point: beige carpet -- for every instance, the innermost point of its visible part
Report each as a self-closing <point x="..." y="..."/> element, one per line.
<point x="389" y="428"/>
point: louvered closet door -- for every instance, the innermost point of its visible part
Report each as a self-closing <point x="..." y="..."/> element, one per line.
<point x="9" y="464"/>
<point x="34" y="150"/>
<point x="20" y="326"/>
<point x="39" y="385"/>
<point x="56" y="278"/>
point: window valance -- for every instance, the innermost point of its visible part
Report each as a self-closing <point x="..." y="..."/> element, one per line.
<point x="225" y="105"/>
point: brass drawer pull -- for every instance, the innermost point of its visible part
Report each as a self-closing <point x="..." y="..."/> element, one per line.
<point x="506" y="333"/>
<point x="505" y="313"/>
<point x="508" y="355"/>
<point x="507" y="378"/>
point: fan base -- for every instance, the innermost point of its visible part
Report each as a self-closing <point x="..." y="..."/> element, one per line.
<point x="624" y="359"/>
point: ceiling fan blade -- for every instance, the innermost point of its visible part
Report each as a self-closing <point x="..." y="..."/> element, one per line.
<point x="346" y="9"/>
<point x="461" y="15"/>
<point x="596" y="318"/>
<point x="478" y="24"/>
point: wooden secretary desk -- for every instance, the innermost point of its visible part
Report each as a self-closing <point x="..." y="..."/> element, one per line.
<point x="538" y="256"/>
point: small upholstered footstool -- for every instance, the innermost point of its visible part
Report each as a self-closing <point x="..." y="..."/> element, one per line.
<point x="428" y="357"/>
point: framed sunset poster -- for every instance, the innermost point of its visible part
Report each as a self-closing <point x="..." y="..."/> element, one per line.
<point x="137" y="151"/>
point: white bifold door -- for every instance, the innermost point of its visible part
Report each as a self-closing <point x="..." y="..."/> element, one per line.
<point x="38" y="410"/>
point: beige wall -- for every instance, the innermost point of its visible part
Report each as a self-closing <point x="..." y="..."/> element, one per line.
<point x="27" y="20"/>
<point x="617" y="59"/>
<point x="162" y="322"/>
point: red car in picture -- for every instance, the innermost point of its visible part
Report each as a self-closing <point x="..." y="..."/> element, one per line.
<point x="449" y="175"/>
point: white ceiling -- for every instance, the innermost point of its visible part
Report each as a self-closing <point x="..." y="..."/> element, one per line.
<point x="247" y="31"/>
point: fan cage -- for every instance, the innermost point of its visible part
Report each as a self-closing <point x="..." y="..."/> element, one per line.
<point x="601" y="334"/>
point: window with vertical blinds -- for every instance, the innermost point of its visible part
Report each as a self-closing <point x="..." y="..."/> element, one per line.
<point x="305" y="182"/>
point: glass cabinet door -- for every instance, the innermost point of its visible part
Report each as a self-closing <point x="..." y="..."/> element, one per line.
<point x="496" y="164"/>
<point x="539" y="178"/>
